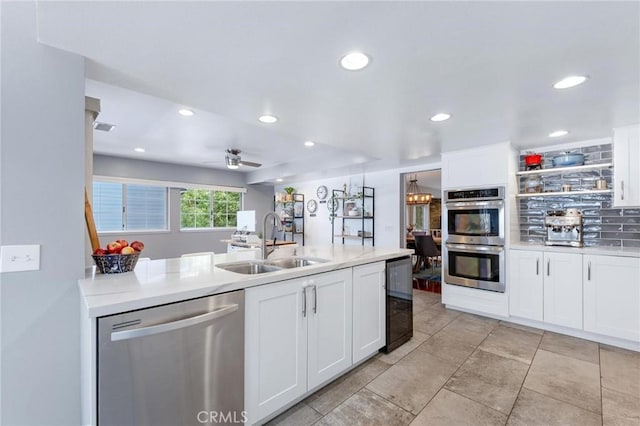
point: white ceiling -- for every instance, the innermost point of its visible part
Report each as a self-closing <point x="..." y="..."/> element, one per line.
<point x="490" y="64"/>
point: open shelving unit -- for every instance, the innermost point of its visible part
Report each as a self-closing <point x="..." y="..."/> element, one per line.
<point x="292" y="212"/>
<point x="364" y="204"/>
<point x="564" y="170"/>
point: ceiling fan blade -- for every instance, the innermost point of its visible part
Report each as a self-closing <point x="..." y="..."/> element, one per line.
<point x="250" y="163"/>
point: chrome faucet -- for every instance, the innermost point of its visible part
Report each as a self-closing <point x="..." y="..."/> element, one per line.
<point x="277" y="224"/>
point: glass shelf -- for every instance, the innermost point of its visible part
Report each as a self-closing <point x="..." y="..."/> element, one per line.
<point x="564" y="193"/>
<point x="565" y="169"/>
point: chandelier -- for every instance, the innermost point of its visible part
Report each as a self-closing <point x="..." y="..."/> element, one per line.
<point x="414" y="196"/>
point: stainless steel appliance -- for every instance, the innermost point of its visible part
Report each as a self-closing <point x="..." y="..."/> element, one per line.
<point x="476" y="266"/>
<point x="399" y="303"/>
<point x="564" y="228"/>
<point x="475" y="216"/>
<point x="175" y="364"/>
<point x="474" y="255"/>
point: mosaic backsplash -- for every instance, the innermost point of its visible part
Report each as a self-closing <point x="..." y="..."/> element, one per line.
<point x="603" y="224"/>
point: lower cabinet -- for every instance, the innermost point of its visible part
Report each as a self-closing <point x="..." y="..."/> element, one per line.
<point x="546" y="286"/>
<point x="298" y="335"/>
<point x="612" y="296"/>
<point x="369" y="314"/>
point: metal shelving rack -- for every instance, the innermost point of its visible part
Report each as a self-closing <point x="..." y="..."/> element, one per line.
<point x="296" y="221"/>
<point x="362" y="201"/>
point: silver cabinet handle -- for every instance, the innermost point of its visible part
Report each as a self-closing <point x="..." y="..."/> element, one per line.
<point x="548" y="267"/>
<point x="538" y="266"/>
<point x="174" y="325"/>
<point x="315" y="299"/>
<point x="304" y="302"/>
<point x="589" y="271"/>
<point x="622" y="190"/>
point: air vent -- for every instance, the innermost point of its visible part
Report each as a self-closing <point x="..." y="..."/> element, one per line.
<point x="105" y="127"/>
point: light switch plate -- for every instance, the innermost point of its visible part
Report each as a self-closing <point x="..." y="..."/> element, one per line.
<point x="20" y="258"/>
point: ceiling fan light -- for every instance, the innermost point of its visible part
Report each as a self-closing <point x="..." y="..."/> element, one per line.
<point x="232" y="163"/>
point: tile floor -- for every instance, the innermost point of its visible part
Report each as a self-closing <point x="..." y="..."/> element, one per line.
<point x="461" y="369"/>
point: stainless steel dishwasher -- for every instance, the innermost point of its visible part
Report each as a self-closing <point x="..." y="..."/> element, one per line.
<point x="175" y="364"/>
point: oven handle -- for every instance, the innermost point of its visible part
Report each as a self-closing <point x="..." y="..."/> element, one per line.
<point x="464" y="205"/>
<point x="467" y="248"/>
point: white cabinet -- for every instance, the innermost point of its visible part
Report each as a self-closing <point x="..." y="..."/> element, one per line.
<point x="477" y="167"/>
<point x="563" y="289"/>
<point x="369" y="313"/>
<point x="525" y="284"/>
<point x="626" y="172"/>
<point x="612" y="296"/>
<point x="546" y="286"/>
<point x="298" y="334"/>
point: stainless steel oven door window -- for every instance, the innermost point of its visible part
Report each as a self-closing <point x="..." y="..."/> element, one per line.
<point x="476" y="222"/>
<point x="480" y="267"/>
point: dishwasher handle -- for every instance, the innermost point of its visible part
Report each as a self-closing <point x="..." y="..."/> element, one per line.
<point x="173" y="325"/>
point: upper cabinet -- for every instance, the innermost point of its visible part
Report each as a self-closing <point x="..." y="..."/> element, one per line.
<point x="477" y="167"/>
<point x="626" y="166"/>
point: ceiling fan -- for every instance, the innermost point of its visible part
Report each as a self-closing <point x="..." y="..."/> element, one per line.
<point x="234" y="160"/>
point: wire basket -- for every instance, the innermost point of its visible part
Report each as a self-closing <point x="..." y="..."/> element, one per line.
<point x="115" y="263"/>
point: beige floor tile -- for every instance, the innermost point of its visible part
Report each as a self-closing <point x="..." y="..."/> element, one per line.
<point x="620" y="370"/>
<point x="566" y="379"/>
<point x="461" y="330"/>
<point x="332" y="395"/>
<point x="298" y="415"/>
<point x="620" y="409"/>
<point x="402" y="351"/>
<point x="570" y="346"/>
<point x="367" y="409"/>
<point x="490" y="379"/>
<point x="522" y="327"/>
<point x="448" y="408"/>
<point x="431" y="321"/>
<point x="448" y="346"/>
<point x="532" y="408"/>
<point x="511" y="343"/>
<point x="413" y="381"/>
<point x="474" y="323"/>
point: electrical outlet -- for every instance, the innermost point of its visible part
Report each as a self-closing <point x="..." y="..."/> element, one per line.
<point x="20" y="258"/>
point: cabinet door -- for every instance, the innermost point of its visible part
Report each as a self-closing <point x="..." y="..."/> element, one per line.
<point x="612" y="296"/>
<point x="368" y="310"/>
<point x="329" y="314"/>
<point x="275" y="347"/>
<point x="626" y="173"/>
<point x="563" y="289"/>
<point x="526" y="284"/>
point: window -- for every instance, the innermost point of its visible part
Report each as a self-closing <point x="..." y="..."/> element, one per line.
<point x="129" y="207"/>
<point x="206" y="209"/>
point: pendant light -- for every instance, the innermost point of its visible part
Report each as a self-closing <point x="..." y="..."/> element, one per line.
<point x="414" y="196"/>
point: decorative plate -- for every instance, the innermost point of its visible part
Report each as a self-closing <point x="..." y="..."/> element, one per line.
<point x="322" y="192"/>
<point x="312" y="206"/>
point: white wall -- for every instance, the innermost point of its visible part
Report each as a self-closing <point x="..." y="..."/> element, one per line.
<point x="174" y="242"/>
<point x="41" y="188"/>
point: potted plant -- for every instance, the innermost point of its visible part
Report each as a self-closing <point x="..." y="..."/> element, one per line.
<point x="289" y="190"/>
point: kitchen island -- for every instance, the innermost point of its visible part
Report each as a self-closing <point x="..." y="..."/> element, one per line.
<point x="327" y="285"/>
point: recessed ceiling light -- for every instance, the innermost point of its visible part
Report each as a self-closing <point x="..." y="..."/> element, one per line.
<point x="558" y="133"/>
<point x="279" y="180"/>
<point x="138" y="149"/>
<point x="570" y="81"/>
<point x="269" y="119"/>
<point x="441" y="117"/>
<point x="354" y="61"/>
<point x="309" y="143"/>
<point x="186" y="112"/>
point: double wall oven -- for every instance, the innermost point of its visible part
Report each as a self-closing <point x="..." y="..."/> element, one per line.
<point x="475" y="255"/>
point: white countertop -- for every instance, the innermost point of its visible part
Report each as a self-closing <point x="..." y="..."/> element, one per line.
<point x="156" y="282"/>
<point x="605" y="251"/>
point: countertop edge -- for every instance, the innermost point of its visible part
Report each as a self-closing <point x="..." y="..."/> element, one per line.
<point x="601" y="251"/>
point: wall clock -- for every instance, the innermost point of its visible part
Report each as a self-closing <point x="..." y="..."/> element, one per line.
<point x="322" y="192"/>
<point x="332" y="205"/>
<point x="312" y="206"/>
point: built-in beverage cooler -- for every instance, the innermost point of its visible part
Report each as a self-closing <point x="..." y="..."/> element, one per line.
<point x="399" y="303"/>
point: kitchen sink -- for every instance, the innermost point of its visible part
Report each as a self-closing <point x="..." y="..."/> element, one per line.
<point x="248" y="268"/>
<point x="294" y="262"/>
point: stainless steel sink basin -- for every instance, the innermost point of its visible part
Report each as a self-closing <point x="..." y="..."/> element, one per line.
<point x="248" y="268"/>
<point x="294" y="262"/>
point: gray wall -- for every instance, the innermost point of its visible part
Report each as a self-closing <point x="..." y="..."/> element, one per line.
<point x="174" y="243"/>
<point x="41" y="202"/>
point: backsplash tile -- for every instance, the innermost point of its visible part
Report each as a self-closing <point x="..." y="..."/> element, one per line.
<point x="604" y="226"/>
